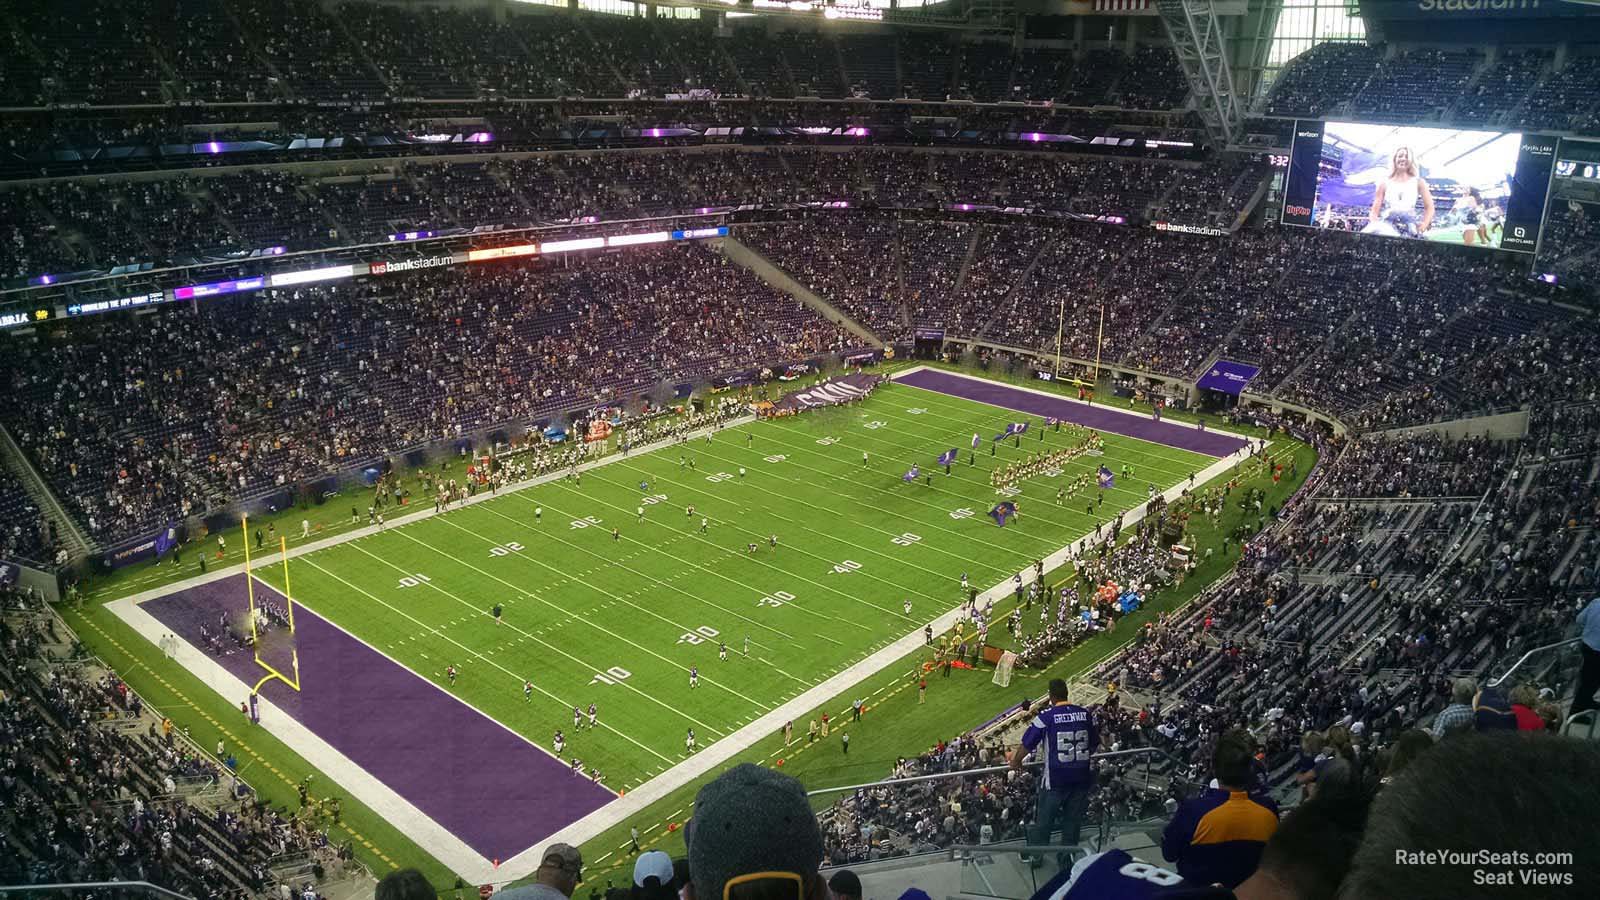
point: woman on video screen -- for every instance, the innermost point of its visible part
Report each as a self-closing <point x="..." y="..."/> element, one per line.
<point x="1394" y="205"/>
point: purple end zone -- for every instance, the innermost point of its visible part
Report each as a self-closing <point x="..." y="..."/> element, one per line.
<point x="1211" y="443"/>
<point x="496" y="792"/>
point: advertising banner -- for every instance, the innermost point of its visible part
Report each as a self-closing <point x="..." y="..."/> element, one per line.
<point x="1228" y="377"/>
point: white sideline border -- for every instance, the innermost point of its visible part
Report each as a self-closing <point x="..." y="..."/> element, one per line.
<point x="449" y="849"/>
<point x="1059" y="396"/>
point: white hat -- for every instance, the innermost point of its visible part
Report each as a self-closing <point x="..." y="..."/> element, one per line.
<point x="653" y="864"/>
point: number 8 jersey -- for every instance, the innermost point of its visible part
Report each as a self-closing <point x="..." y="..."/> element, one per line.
<point x="1069" y="737"/>
<point x="1114" y="875"/>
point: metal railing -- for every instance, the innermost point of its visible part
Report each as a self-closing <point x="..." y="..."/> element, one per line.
<point x="1531" y="653"/>
<point x="113" y="889"/>
<point x="1146" y="752"/>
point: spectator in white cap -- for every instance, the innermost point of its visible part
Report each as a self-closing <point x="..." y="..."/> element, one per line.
<point x="652" y="877"/>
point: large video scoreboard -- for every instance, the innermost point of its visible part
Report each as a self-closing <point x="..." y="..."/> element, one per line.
<point x="1478" y="188"/>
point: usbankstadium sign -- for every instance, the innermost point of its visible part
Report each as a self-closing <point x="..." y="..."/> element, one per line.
<point x="411" y="265"/>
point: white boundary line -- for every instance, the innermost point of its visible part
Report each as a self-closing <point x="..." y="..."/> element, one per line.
<point x="383" y="800"/>
<point x="1054" y="395"/>
<point x="450" y="850"/>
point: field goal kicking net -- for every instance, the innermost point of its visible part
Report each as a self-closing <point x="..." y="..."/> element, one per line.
<point x="1002" y="669"/>
<point x="270" y="621"/>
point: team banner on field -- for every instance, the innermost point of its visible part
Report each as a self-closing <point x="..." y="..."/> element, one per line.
<point x="1107" y="479"/>
<point x="829" y="393"/>
<point x="1228" y="377"/>
<point x="912" y="474"/>
<point x="1003" y="512"/>
<point x="948" y="457"/>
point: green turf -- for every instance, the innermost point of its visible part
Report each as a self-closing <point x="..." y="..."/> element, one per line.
<point x="896" y="724"/>
<point x="854" y="542"/>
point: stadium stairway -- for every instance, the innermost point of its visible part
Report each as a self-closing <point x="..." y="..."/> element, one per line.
<point x="12" y="458"/>
<point x="783" y="281"/>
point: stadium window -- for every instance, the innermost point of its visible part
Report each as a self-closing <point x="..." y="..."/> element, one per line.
<point x="678" y="12"/>
<point x="1302" y="24"/>
<point x="559" y="4"/>
<point x="612" y="7"/>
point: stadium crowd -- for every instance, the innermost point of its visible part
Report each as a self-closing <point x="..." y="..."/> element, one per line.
<point x="1358" y="628"/>
<point x="153" y="425"/>
<point x="109" y="791"/>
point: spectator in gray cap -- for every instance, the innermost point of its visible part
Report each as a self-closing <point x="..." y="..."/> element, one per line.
<point x="555" y="879"/>
<point x="753" y="820"/>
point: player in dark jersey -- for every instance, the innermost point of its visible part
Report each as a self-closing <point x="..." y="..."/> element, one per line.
<point x="594" y="715"/>
<point x="527" y="692"/>
<point x="1069" y="737"/>
<point x="694" y="677"/>
<point x="577" y="718"/>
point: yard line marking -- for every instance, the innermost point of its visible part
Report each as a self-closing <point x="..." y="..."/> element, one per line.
<point x="556" y="537"/>
<point x="594" y="625"/>
<point x="558" y="650"/>
<point x="845" y="475"/>
<point x="899" y="589"/>
<point x="929" y="522"/>
<point x="520" y="679"/>
<point x="1132" y="450"/>
<point x="759" y="560"/>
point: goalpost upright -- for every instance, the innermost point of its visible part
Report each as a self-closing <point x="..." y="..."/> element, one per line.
<point x="255" y="634"/>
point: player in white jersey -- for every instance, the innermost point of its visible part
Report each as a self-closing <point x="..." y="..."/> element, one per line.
<point x="907" y="606"/>
<point x="560" y="743"/>
<point x="594" y="714"/>
<point x="577" y="718"/>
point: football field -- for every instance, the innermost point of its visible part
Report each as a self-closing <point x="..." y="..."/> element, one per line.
<point x="803" y="547"/>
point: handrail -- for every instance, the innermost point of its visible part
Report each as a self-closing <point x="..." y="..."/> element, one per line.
<point x="1514" y="666"/>
<point x="988" y="770"/>
<point x="118" y="886"/>
<point x="1038" y="849"/>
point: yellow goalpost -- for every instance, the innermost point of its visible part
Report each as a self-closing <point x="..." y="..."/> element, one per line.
<point x="255" y="637"/>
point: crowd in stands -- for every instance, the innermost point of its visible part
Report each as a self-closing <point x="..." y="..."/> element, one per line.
<point x="105" y="52"/>
<point x="1520" y="89"/>
<point x="1344" y="629"/>
<point x="1568" y="243"/>
<point x="65" y="226"/>
<point x="151" y="424"/>
<point x="1381" y="333"/>
<point x="26" y="535"/>
<point x="94" y="787"/>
